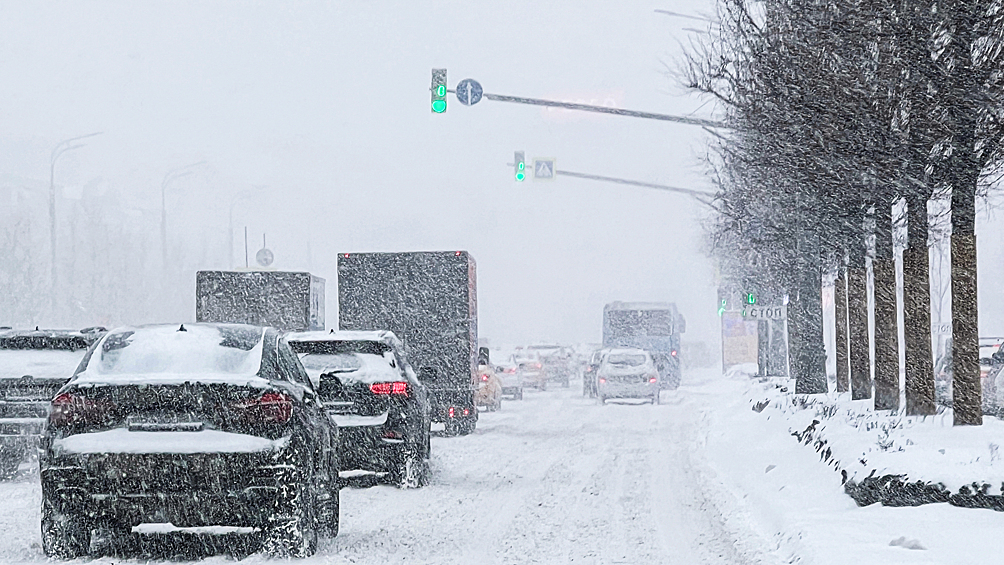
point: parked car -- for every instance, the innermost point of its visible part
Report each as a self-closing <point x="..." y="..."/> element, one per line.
<point x="34" y="365"/>
<point x="627" y="373"/>
<point x="192" y="424"/>
<point x="489" y="393"/>
<point x="557" y="362"/>
<point x="381" y="408"/>
<point x="589" y="372"/>
<point x="511" y="376"/>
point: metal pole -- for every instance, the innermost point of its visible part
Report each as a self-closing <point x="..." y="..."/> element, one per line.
<point x="603" y="110"/>
<point x="169" y="177"/>
<point x="57" y="152"/>
<point x="246" y="265"/>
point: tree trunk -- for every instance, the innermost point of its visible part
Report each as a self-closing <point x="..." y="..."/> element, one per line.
<point x="917" y="313"/>
<point x="967" y="393"/>
<point x="857" y="323"/>
<point x="840" y="330"/>
<point x="809" y="359"/>
<point x="886" y="331"/>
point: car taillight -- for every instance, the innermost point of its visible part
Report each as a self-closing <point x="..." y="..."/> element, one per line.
<point x="511" y="370"/>
<point x="451" y="411"/>
<point x="538" y="365"/>
<point x="484" y="377"/>
<point x="271" y="407"/>
<point x="398" y="388"/>
<point x="603" y="380"/>
<point x="673" y="353"/>
<point x="589" y="369"/>
<point x="652" y="379"/>
<point x="73" y="409"/>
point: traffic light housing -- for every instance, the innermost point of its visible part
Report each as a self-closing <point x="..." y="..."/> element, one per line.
<point x="519" y="160"/>
<point x="438" y="91"/>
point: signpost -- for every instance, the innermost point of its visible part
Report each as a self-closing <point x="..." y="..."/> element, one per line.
<point x="469" y="92"/>
<point x="543" y="169"/>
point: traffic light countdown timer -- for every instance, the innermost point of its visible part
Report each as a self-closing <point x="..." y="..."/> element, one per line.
<point x="438" y="91"/>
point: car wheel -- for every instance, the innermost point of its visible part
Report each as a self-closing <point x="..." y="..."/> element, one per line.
<point x="468" y="425"/>
<point x="498" y="403"/>
<point x="655" y="398"/>
<point x="294" y="536"/>
<point x="452" y="427"/>
<point x="64" y="535"/>
<point x="519" y="394"/>
<point x="603" y="400"/>
<point x="330" y="517"/>
<point x="409" y="468"/>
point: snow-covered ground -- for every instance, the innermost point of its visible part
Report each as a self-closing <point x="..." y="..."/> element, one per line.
<point x="557" y="478"/>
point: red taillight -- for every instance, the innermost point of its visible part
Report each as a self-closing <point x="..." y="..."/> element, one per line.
<point x="603" y="380"/>
<point x="271" y="407"/>
<point x="511" y="370"/>
<point x="467" y="412"/>
<point x="69" y="409"/>
<point x="398" y="388"/>
<point x="589" y="369"/>
<point x="458" y="253"/>
<point x="673" y="353"/>
<point x="538" y="365"/>
<point x="346" y="256"/>
<point x="451" y="411"/>
<point x="484" y="377"/>
<point x="652" y="379"/>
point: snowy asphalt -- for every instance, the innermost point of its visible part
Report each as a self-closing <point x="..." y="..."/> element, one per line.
<point x="555" y="478"/>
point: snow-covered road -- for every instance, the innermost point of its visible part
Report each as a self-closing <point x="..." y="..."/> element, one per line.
<point x="555" y="478"/>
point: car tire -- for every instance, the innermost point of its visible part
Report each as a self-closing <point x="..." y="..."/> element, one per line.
<point x="518" y="395"/>
<point x="655" y="398"/>
<point x="498" y="403"/>
<point x="294" y="537"/>
<point x="64" y="535"/>
<point x="330" y="519"/>
<point x="603" y="400"/>
<point x="452" y="427"/>
<point x="409" y="469"/>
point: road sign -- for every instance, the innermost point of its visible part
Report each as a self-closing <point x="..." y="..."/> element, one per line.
<point x="756" y="312"/>
<point x="264" y="257"/>
<point x="543" y="169"/>
<point x="469" y="92"/>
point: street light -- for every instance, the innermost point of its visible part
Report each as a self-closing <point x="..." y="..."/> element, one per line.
<point x="171" y="176"/>
<point x="57" y="152"/>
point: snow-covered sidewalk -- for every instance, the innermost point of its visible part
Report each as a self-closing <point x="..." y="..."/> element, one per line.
<point x="785" y="492"/>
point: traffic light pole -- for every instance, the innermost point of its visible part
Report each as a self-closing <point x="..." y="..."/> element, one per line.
<point x="602" y="110"/>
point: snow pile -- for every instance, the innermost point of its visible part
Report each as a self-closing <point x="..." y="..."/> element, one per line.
<point x="888" y="457"/>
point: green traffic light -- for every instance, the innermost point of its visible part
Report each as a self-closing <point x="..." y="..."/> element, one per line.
<point x="520" y="176"/>
<point x="439" y="106"/>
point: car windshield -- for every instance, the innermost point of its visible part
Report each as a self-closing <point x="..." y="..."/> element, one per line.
<point x="628" y="359"/>
<point x="192" y="349"/>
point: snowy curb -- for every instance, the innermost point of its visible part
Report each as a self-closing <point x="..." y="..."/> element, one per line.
<point x="887" y="457"/>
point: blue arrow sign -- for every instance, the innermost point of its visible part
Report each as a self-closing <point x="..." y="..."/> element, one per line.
<point x="469" y="92"/>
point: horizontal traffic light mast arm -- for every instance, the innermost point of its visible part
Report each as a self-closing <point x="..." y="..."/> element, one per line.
<point x="604" y="110"/>
<point x="698" y="194"/>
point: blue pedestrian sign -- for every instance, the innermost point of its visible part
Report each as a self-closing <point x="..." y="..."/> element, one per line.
<point x="469" y="92"/>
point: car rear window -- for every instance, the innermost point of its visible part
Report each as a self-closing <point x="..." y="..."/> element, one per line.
<point x="629" y="359"/>
<point x="39" y="363"/>
<point x="168" y="349"/>
<point x="349" y="368"/>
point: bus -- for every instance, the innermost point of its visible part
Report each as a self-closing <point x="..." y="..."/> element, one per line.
<point x="652" y="326"/>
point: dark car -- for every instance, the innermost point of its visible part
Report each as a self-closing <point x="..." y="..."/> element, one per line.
<point x="34" y="364"/>
<point x="193" y="425"/>
<point x="370" y="390"/>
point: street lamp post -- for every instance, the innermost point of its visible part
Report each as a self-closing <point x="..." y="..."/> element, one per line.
<point x="171" y="176"/>
<point x="57" y="152"/>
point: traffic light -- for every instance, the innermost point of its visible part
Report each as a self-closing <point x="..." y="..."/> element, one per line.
<point x="438" y="91"/>
<point x="749" y="298"/>
<point x="520" y="162"/>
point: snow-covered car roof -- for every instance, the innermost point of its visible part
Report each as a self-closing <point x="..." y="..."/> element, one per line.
<point x="176" y="353"/>
<point x="625" y="350"/>
<point x="384" y="336"/>
<point x="39" y="363"/>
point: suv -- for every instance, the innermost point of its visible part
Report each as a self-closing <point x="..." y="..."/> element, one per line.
<point x="557" y="362"/>
<point x="33" y="366"/>
<point x="370" y="390"/>
<point x="196" y="425"/>
<point x="627" y="373"/>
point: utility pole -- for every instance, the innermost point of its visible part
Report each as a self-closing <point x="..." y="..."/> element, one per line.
<point x="57" y="152"/>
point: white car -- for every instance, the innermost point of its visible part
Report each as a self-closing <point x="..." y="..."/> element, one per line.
<point x="627" y="373"/>
<point x="512" y="378"/>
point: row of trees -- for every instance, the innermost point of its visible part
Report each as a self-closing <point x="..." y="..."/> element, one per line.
<point x="837" y="111"/>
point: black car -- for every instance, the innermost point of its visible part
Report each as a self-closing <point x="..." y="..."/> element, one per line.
<point x="370" y="390"/>
<point x="34" y="364"/>
<point x="193" y="425"/>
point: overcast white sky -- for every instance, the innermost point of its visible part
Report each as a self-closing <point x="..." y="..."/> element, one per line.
<point x="326" y="104"/>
